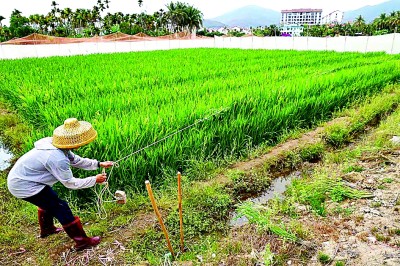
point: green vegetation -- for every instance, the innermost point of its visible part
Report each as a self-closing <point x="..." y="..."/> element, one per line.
<point x="323" y="258"/>
<point x="272" y="101"/>
<point x="261" y="95"/>
<point x="384" y="24"/>
<point x="65" y="22"/>
<point x="262" y="217"/>
<point x="321" y="187"/>
<point x="343" y="132"/>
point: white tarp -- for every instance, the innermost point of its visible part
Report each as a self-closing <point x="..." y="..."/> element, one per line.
<point x="389" y="43"/>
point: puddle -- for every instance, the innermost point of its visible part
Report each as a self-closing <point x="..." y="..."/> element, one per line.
<point x="5" y="156"/>
<point x="277" y="188"/>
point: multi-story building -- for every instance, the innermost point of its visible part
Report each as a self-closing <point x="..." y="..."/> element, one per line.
<point x="293" y="20"/>
<point x="333" y="17"/>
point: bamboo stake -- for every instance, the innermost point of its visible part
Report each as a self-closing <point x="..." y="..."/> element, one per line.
<point x="153" y="202"/>
<point x="180" y="210"/>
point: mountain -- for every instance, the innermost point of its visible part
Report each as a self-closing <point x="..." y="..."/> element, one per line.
<point x="250" y="16"/>
<point x="369" y="13"/>
<point x="208" y="23"/>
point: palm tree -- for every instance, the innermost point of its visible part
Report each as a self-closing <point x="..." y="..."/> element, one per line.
<point x="176" y="15"/>
<point x="394" y="20"/>
<point x="359" y="24"/>
<point x="381" y="21"/>
<point x="193" y="19"/>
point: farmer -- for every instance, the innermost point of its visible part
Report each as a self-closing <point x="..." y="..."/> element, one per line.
<point x="48" y="162"/>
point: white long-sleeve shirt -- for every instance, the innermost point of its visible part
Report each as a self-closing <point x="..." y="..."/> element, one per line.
<point x="46" y="165"/>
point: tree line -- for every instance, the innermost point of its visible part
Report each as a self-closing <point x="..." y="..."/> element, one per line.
<point x="66" y="22"/>
<point x="384" y="24"/>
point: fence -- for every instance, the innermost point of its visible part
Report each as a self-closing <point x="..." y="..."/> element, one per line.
<point x="389" y="43"/>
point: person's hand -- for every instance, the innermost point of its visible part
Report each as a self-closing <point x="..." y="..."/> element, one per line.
<point x="101" y="178"/>
<point x="106" y="164"/>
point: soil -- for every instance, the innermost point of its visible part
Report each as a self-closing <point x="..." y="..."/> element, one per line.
<point x="369" y="235"/>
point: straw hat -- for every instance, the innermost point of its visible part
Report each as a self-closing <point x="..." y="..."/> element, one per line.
<point x="73" y="134"/>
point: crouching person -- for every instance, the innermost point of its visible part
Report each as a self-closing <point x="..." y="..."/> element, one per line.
<point x="34" y="174"/>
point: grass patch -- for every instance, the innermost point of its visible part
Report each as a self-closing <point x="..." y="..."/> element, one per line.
<point x="323" y="258"/>
<point x="314" y="192"/>
<point x="369" y="113"/>
<point x="353" y="168"/>
<point x="262" y="217"/>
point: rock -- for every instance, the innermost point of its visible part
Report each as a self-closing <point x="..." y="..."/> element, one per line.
<point x="340" y="258"/>
<point x="370" y="181"/>
<point x="200" y="258"/>
<point x="353" y="177"/>
<point x="371" y="239"/>
<point x="395" y="140"/>
<point x="289" y="262"/>
<point x="370" y="210"/>
<point x="351" y="185"/>
<point x="353" y="254"/>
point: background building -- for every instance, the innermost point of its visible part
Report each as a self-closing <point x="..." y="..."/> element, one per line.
<point x="293" y="20"/>
<point x="333" y="17"/>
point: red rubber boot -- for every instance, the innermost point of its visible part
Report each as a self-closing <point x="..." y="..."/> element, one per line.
<point x="75" y="231"/>
<point x="46" y="224"/>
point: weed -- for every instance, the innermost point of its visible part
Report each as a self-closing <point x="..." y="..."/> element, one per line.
<point x="337" y="134"/>
<point x="268" y="256"/>
<point x="382" y="187"/>
<point x="359" y="218"/>
<point x="262" y="218"/>
<point x="387" y="180"/>
<point x="344" y="211"/>
<point x="323" y="258"/>
<point x="353" y="168"/>
<point x="394" y="231"/>
<point x="299" y="230"/>
<point x="340" y="263"/>
<point x="312" y="152"/>
<point x="316" y="191"/>
<point x="382" y="238"/>
<point x="376" y="204"/>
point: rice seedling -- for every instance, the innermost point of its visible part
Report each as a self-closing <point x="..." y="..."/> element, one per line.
<point x="134" y="99"/>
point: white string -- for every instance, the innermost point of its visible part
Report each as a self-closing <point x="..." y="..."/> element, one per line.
<point x="172" y="134"/>
<point x="101" y="211"/>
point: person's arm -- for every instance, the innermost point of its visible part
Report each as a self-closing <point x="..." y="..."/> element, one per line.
<point x="62" y="172"/>
<point x="82" y="163"/>
<point x="85" y="163"/>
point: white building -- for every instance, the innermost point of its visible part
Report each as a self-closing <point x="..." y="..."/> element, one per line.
<point x="293" y="20"/>
<point x="301" y="16"/>
<point x="333" y="17"/>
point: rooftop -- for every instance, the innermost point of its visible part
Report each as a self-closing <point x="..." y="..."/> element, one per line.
<point x="301" y="10"/>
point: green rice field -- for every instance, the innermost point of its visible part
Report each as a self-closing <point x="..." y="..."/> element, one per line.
<point x="134" y="99"/>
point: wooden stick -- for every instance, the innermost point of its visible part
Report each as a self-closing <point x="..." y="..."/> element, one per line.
<point x="180" y="210"/>
<point x="153" y="202"/>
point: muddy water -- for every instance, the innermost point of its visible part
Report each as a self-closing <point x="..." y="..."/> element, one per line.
<point x="277" y="188"/>
<point x="5" y="156"/>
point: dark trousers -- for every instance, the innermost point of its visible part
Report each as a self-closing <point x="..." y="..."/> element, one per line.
<point x="49" y="201"/>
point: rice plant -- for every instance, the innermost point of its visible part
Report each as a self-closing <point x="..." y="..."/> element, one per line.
<point x="134" y="99"/>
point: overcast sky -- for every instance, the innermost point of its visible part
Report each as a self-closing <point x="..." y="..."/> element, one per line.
<point x="210" y="8"/>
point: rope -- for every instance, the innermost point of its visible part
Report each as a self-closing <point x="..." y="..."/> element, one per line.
<point x="170" y="135"/>
<point x="101" y="211"/>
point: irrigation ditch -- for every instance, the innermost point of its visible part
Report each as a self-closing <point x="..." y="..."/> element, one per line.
<point x="5" y="157"/>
